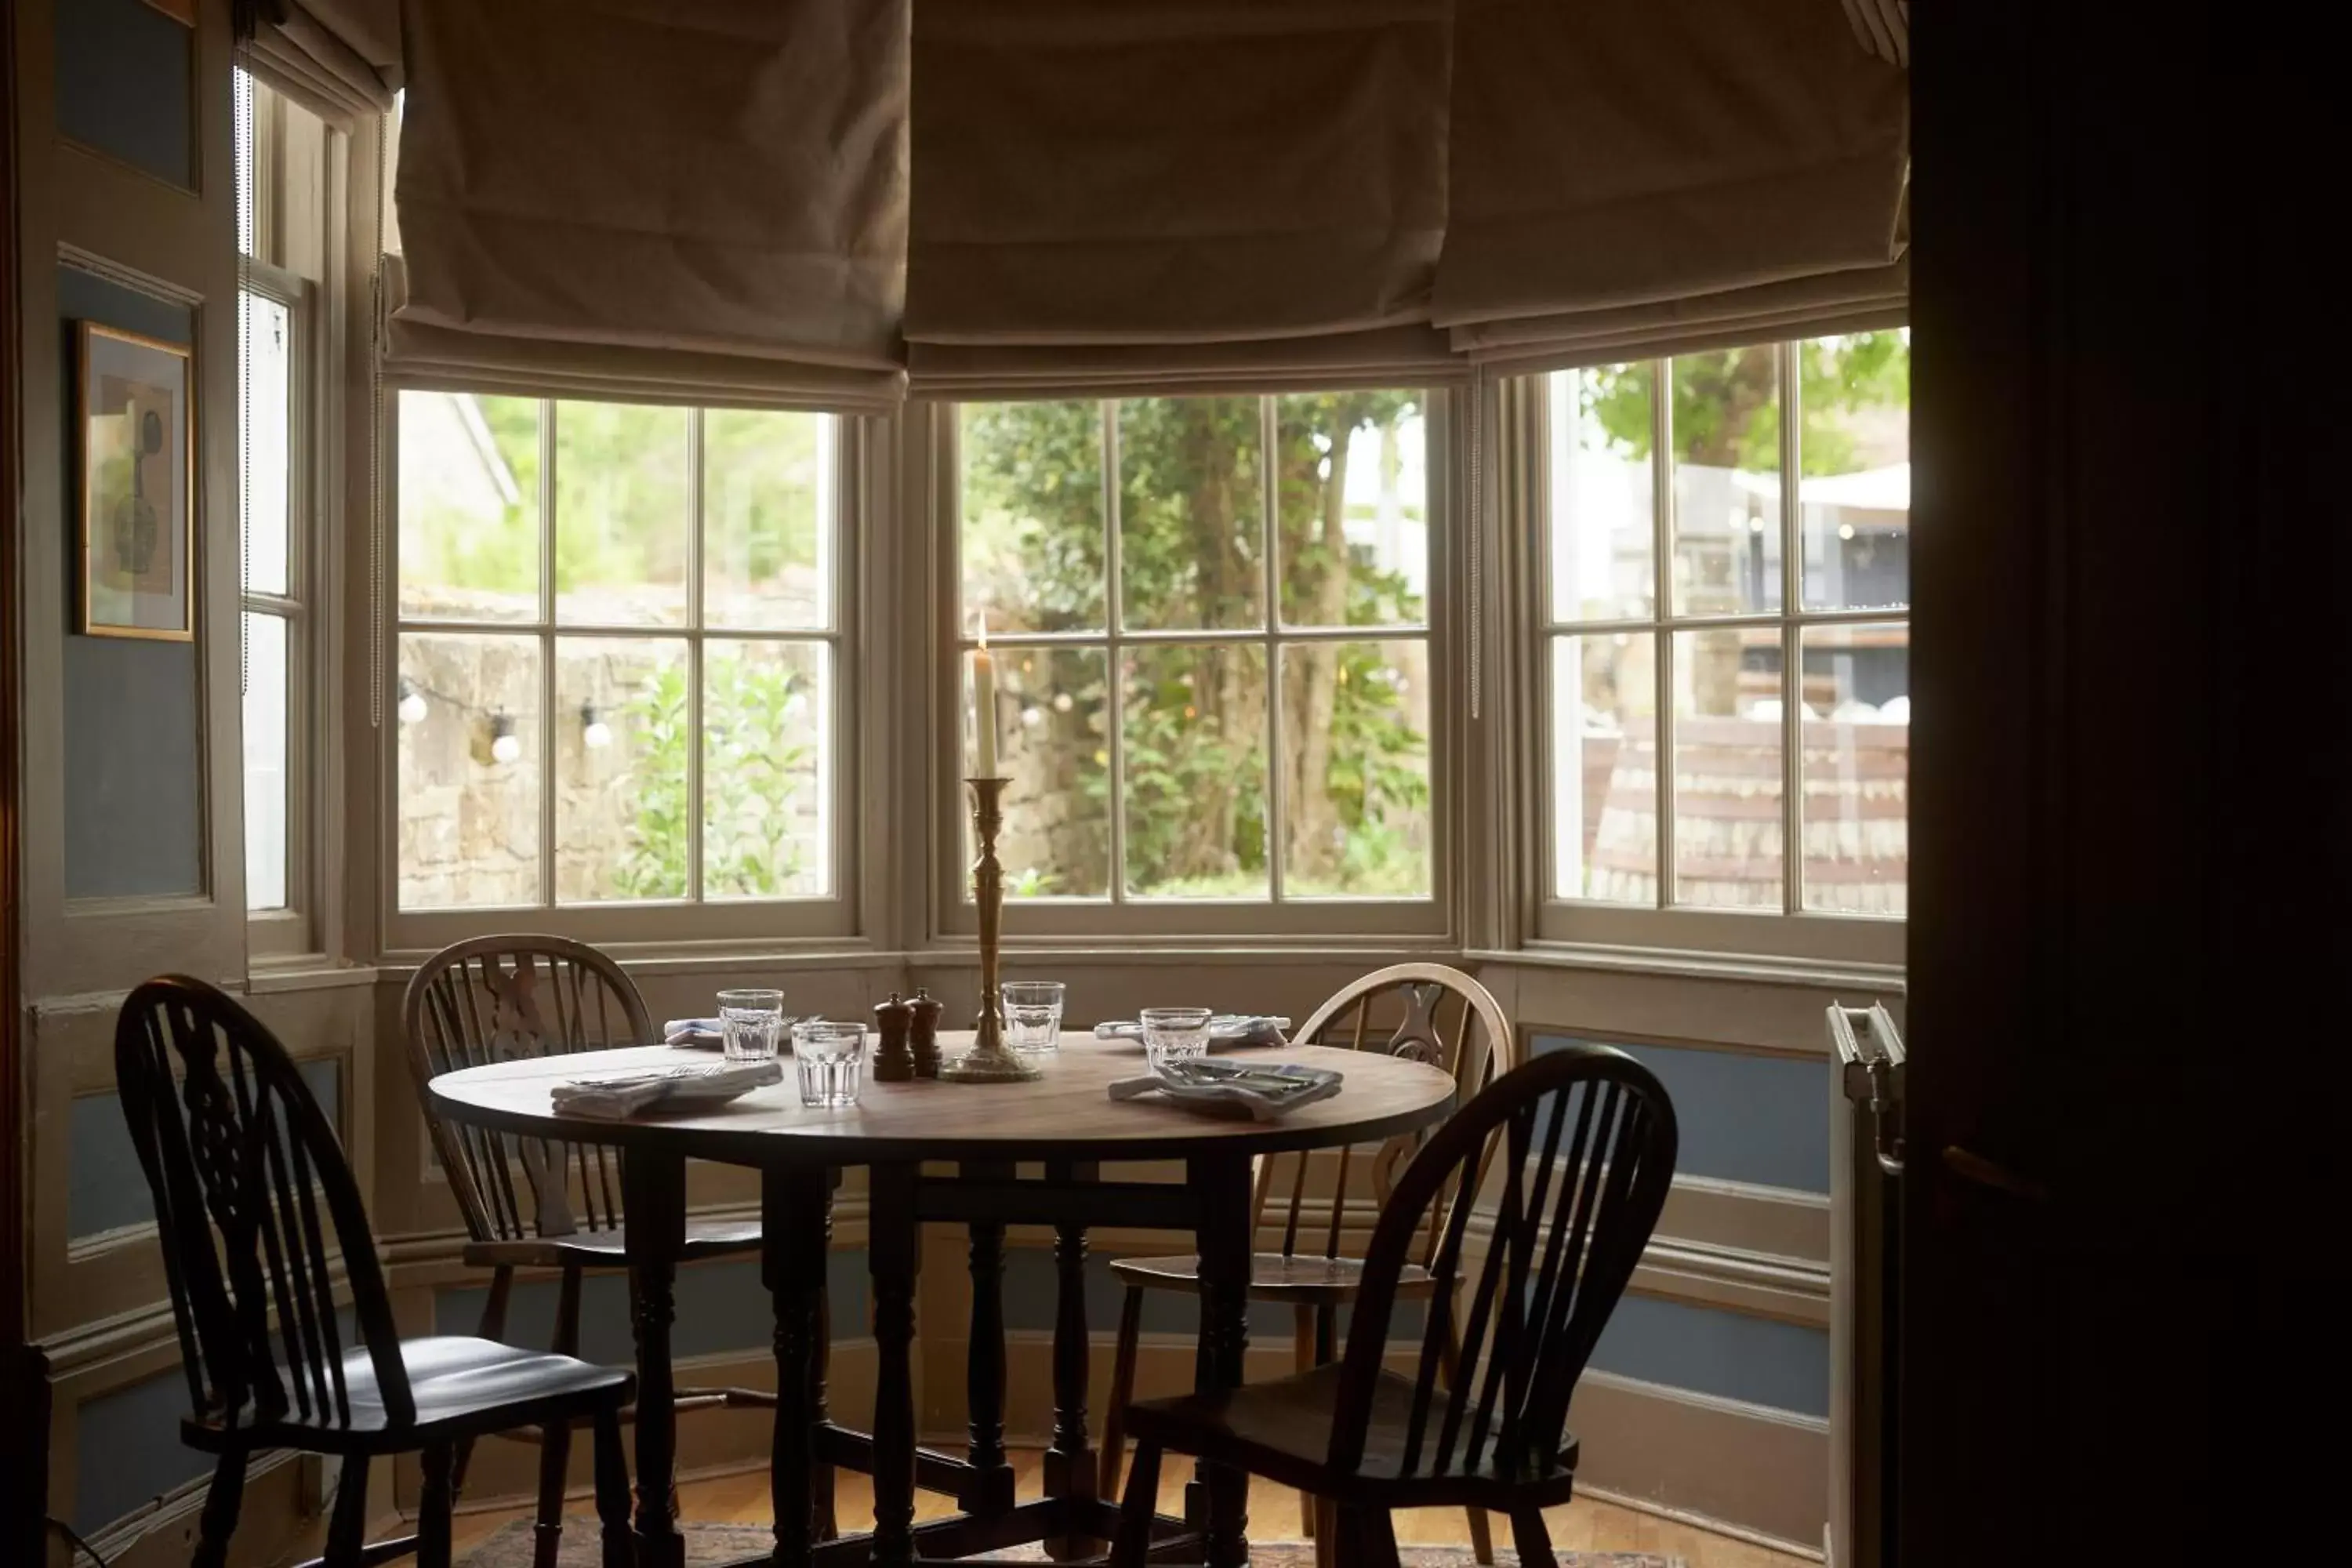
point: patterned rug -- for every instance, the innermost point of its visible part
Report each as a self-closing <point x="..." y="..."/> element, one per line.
<point x="710" y="1544"/>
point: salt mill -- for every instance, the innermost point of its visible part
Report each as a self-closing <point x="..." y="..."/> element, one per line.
<point x="894" y="1058"/>
<point x="925" y="1034"/>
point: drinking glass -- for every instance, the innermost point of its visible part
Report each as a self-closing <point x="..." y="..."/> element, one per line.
<point x="1174" y="1034"/>
<point x="751" y="1021"/>
<point x="1033" y="1015"/>
<point x="832" y="1061"/>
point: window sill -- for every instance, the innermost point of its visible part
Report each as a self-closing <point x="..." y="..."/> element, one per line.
<point x="305" y="971"/>
<point x="1880" y="979"/>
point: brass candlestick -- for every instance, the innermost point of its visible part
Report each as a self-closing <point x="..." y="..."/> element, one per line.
<point x="988" y="1061"/>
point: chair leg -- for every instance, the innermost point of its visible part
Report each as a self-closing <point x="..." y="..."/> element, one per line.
<point x="347" y="1528"/>
<point x="1534" y="1541"/>
<point x="1122" y="1390"/>
<point x="1482" y="1539"/>
<point x="1366" y="1538"/>
<point x="434" y="1504"/>
<point x="1302" y="1359"/>
<point x="221" y="1504"/>
<point x="554" y="1468"/>
<point x="493" y="1326"/>
<point x="1133" y="1546"/>
<point x="613" y="1492"/>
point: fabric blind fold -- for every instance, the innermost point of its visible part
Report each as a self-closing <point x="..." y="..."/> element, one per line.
<point x="340" y="57"/>
<point x="1614" y="154"/>
<point x="1183" y="187"/>
<point x="636" y="195"/>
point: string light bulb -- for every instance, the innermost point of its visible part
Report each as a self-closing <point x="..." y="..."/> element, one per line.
<point x="594" y="732"/>
<point x="505" y="745"/>
<point x="412" y="708"/>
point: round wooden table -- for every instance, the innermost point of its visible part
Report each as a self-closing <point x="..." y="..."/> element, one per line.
<point x="1068" y="1124"/>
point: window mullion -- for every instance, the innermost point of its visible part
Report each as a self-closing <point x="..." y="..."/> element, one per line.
<point x="1792" y="640"/>
<point x="1270" y="541"/>
<point x="1662" y="590"/>
<point x="547" y="654"/>
<point x="694" y="640"/>
<point x="1114" y="593"/>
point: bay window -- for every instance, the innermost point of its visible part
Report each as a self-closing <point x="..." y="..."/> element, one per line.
<point x="1724" y="620"/>
<point x="1211" y="625"/>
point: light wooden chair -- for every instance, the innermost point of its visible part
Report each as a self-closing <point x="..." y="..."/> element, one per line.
<point x="255" y="1209"/>
<point x="495" y="998"/>
<point x="1585" y="1141"/>
<point x="1425" y="1011"/>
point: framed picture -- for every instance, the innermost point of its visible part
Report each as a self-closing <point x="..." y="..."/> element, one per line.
<point x="137" y="422"/>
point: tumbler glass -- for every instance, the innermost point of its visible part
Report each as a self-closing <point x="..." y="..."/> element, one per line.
<point x="1174" y="1034"/>
<point x="831" y="1060"/>
<point x="1033" y="1015"/>
<point x="751" y="1022"/>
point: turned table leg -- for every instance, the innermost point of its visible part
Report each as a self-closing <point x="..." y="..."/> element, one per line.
<point x="1218" y="1496"/>
<point x="1070" y="1463"/>
<point x="984" y="1364"/>
<point x="893" y="1256"/>
<point x="653" y="1185"/>
<point x="792" y="1224"/>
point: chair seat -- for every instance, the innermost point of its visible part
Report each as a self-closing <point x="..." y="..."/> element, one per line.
<point x="1282" y="1430"/>
<point x="610" y="1248"/>
<point x="1301" y="1282"/>
<point x="462" y="1385"/>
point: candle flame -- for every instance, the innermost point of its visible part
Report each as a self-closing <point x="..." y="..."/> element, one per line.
<point x="983" y="631"/>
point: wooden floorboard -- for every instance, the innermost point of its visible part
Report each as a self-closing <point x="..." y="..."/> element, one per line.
<point x="1585" y="1525"/>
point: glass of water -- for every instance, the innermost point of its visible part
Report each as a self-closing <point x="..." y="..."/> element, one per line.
<point x="749" y="1022"/>
<point x="1174" y="1034"/>
<point x="1033" y="1015"/>
<point x="830" y="1057"/>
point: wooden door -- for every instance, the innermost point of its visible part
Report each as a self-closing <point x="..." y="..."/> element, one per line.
<point x="2128" y="889"/>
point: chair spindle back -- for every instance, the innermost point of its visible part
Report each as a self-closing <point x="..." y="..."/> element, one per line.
<point x="239" y="1159"/>
<point x="1425" y="1012"/>
<point x="498" y="998"/>
<point x="1586" y="1141"/>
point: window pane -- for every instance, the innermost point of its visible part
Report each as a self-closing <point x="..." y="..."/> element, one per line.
<point x="1353" y="485"/>
<point x="1354" y="761"/>
<point x="1726" y="452"/>
<point x="1603" y="492"/>
<point x="767" y="727"/>
<point x="266" y="393"/>
<point x="1053" y="709"/>
<point x="624" y="514"/>
<point x="1192" y="512"/>
<point x="1858" y="820"/>
<point x="469" y="771"/>
<point x="1727" y="769"/>
<point x="1031" y="502"/>
<point x="767" y="508"/>
<point x="621" y="734"/>
<point x="265" y="763"/>
<point x="1604" y="729"/>
<point x="1194" y="739"/>
<point x="1855" y="514"/>
<point x="468" y="507"/>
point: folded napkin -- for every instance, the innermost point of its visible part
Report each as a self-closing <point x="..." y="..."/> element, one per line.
<point x="695" y="1034"/>
<point x="674" y="1090"/>
<point x="1261" y="1092"/>
<point x="1224" y="1030"/>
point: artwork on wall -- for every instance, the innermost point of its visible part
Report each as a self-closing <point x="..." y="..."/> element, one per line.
<point x="136" y="424"/>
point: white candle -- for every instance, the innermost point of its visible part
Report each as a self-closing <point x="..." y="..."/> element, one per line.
<point x="984" y="701"/>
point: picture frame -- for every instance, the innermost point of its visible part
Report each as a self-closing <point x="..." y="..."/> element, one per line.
<point x="134" y="426"/>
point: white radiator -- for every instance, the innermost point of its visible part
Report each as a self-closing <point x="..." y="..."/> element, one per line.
<point x="1865" y="1171"/>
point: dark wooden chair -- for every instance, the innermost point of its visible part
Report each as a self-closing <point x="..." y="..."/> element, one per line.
<point x="1577" y="1148"/>
<point x="1425" y="1011"/>
<point x="495" y="998"/>
<point x="258" y="1215"/>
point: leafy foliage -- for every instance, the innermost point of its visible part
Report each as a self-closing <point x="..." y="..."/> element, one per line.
<point x="1726" y="413"/>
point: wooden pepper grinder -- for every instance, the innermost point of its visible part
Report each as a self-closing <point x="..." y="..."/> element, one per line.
<point x="894" y="1058"/>
<point x="925" y="1041"/>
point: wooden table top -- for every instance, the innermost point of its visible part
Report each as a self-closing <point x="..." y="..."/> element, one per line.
<point x="1068" y="1115"/>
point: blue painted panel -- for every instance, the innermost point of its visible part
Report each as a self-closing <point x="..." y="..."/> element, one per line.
<point x="1729" y="1354"/>
<point x="720" y="1307"/>
<point x="128" y="1449"/>
<point x="106" y="1188"/>
<point x="125" y="75"/>
<point x="1744" y="1118"/>
<point x="133" y="763"/>
<point x="325" y="1079"/>
<point x="1032" y="1288"/>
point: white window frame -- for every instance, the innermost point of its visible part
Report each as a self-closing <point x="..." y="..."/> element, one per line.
<point x="1792" y="932"/>
<point x="821" y="920"/>
<point x="1123" y="917"/>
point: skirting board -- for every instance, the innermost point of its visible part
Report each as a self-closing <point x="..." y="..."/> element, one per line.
<point x="276" y="1504"/>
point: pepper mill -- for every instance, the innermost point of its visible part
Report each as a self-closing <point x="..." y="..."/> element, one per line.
<point x="894" y="1059"/>
<point x="924" y="1041"/>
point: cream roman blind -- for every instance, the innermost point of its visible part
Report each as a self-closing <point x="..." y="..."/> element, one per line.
<point x="1634" y="177"/>
<point x="340" y="57"/>
<point x="1218" y="192"/>
<point x="640" y="199"/>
